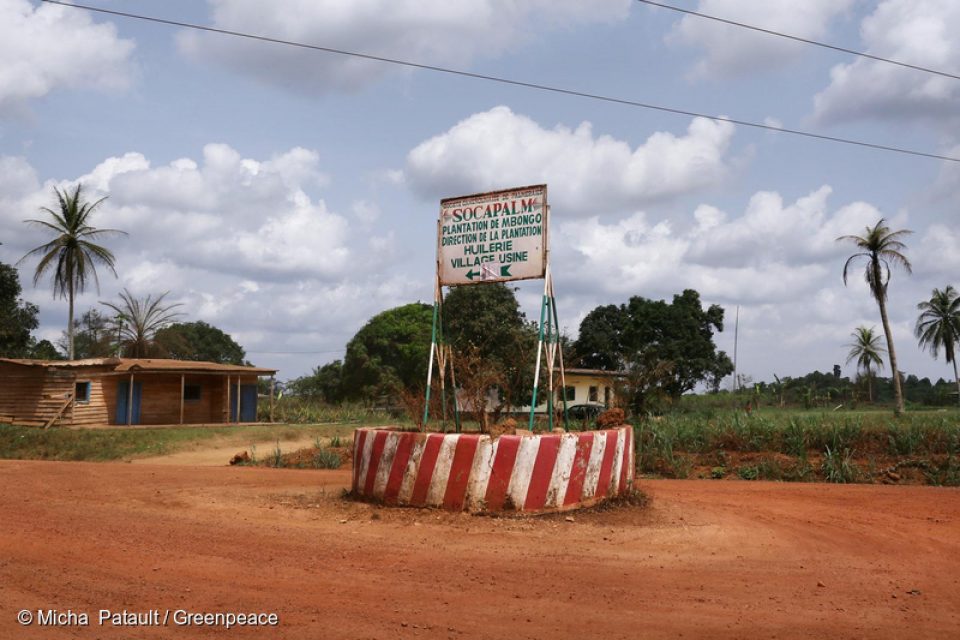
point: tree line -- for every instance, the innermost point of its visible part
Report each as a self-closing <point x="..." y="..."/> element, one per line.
<point x="663" y="348"/>
<point x="831" y="390"/>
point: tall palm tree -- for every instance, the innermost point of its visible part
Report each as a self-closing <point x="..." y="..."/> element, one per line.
<point x="881" y="248"/>
<point x="140" y="320"/>
<point x="71" y="254"/>
<point x="866" y="350"/>
<point x="939" y="326"/>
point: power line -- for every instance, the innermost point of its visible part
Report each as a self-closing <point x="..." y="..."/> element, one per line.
<point x="815" y="43"/>
<point x="515" y="83"/>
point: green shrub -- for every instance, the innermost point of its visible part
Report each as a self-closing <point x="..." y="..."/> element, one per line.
<point x="277" y="459"/>
<point x="795" y="438"/>
<point x="906" y="440"/>
<point x="769" y="469"/>
<point x="838" y="467"/>
<point x="748" y="473"/>
<point x="326" y="459"/>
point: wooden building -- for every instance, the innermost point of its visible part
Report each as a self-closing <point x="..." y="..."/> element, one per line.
<point x="127" y="391"/>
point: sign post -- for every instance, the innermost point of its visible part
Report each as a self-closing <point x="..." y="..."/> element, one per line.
<point x="498" y="236"/>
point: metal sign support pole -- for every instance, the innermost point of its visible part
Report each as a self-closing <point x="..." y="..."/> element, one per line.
<point x="536" y="370"/>
<point x="442" y="363"/>
<point x="550" y="354"/>
<point x="563" y="380"/>
<point x="453" y="382"/>
<point x="433" y="351"/>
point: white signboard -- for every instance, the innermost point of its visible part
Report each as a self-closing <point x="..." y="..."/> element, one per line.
<point x="493" y="237"/>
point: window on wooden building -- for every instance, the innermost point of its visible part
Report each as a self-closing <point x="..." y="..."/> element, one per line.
<point x="191" y="392"/>
<point x="81" y="392"/>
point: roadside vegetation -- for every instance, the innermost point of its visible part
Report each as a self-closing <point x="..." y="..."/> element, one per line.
<point x="921" y="447"/>
<point x="306" y="410"/>
<point x="693" y="440"/>
<point x="122" y="443"/>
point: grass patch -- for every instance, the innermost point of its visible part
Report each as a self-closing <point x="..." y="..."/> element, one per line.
<point x="123" y="443"/>
<point x="292" y="410"/>
<point x="838" y="467"/>
<point x="326" y="459"/>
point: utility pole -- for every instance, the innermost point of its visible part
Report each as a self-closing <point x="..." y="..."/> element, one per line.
<point x="736" y="332"/>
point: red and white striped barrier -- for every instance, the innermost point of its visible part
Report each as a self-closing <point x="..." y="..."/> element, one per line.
<point x="540" y="472"/>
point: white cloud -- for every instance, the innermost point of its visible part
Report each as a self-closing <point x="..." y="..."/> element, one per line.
<point x="243" y="243"/>
<point x="586" y="173"/>
<point x="366" y="212"/>
<point x="17" y="178"/>
<point x="47" y="47"/>
<point x="768" y="230"/>
<point x="779" y="261"/>
<point x="431" y="32"/>
<point x="730" y="50"/>
<point x="947" y="185"/>
<point x="920" y="32"/>
<point x="770" y="254"/>
<point x="228" y="212"/>
<point x="937" y="259"/>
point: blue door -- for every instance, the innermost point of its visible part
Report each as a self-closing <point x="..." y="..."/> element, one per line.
<point x="248" y="403"/>
<point x="123" y="394"/>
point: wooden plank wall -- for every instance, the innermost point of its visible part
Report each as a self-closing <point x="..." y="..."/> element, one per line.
<point x="160" y="398"/>
<point x="95" y="412"/>
<point x="32" y="395"/>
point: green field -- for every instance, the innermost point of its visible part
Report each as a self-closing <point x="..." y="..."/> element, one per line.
<point x="804" y="445"/>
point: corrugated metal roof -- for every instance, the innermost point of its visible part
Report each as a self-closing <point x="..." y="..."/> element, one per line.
<point x="142" y="364"/>
<point x="88" y="362"/>
<point x="159" y="364"/>
<point x="597" y="372"/>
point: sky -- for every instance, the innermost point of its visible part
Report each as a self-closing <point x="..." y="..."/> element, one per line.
<point x="286" y="195"/>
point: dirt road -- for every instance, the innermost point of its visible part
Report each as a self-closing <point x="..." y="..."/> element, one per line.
<point x="703" y="559"/>
<point x="218" y="453"/>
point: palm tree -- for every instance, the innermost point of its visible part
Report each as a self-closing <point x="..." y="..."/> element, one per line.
<point x="71" y="254"/>
<point x="140" y="320"/>
<point x="939" y="326"/>
<point x="866" y="350"/>
<point x="882" y="248"/>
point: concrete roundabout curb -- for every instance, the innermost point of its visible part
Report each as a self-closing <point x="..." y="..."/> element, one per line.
<point x="470" y="472"/>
